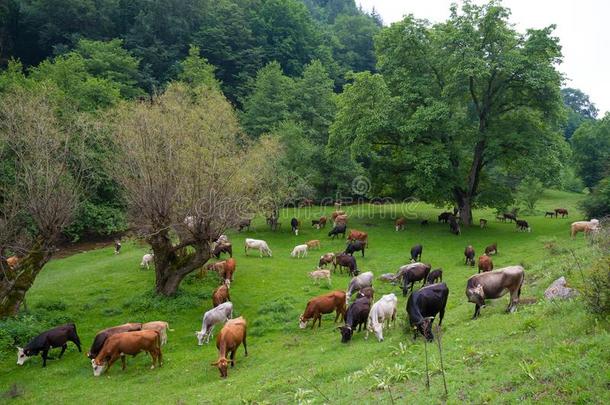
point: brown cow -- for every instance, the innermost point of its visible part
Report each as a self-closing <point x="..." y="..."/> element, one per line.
<point x="323" y="304"/>
<point x="400" y="224"/>
<point x="220" y="295"/>
<point x="368" y="292"/>
<point x="562" y="211"/>
<point x="358" y="235"/>
<point x="494" y="284"/>
<point x="326" y="258"/>
<point x="232" y="334"/>
<point x="335" y="214"/>
<point x="126" y="343"/>
<point x="469" y="253"/>
<point x="341" y="219"/>
<point x="492" y="249"/>
<point x="227" y="271"/>
<point x="103" y="335"/>
<point x="313" y="244"/>
<point x="319" y="223"/>
<point x="485" y="264"/>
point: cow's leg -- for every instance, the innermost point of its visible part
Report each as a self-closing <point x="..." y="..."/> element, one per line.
<point x="477" y="310"/>
<point x="123" y="362"/>
<point x="63" y="349"/>
<point x="45" y="353"/>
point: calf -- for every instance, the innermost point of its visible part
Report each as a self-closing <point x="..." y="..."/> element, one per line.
<point x="495" y="284"/>
<point x="359" y="282"/>
<point x="562" y="211"/>
<point x="294" y="224"/>
<point x="299" y="251"/>
<point x="368" y="292"/>
<point x="160" y="327"/>
<point x="434" y="275"/>
<point x="356" y="316"/>
<point x="227" y="271"/>
<point x="232" y="334"/>
<point x="413" y="273"/>
<point x="221" y="313"/>
<point x="444" y="217"/>
<point x="355" y="235"/>
<point x="382" y="311"/>
<point x="483" y="223"/>
<point x="492" y="249"/>
<point x="128" y="343"/>
<point x="549" y="213"/>
<point x="323" y="304"/>
<point x="355" y="246"/>
<point x="257" y="244"/>
<point x="313" y="244"/>
<point x="220" y="295"/>
<point x="469" y="254"/>
<point x="523" y="225"/>
<point x="416" y="252"/>
<point x="325" y="259"/>
<point x="400" y="224"/>
<point x="147" y="259"/>
<point x="221" y="248"/>
<point x="485" y="264"/>
<point x="52" y="338"/>
<point x="423" y="305"/>
<point x="338" y="230"/>
<point x="103" y="335"/>
<point x="345" y="260"/>
<point x="319" y="274"/>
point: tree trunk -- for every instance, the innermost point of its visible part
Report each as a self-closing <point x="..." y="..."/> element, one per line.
<point x="465" y="197"/>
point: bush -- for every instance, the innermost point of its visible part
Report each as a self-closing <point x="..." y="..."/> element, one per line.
<point x="597" y="204"/>
<point x="597" y="293"/>
<point x="529" y="192"/>
<point x="570" y="180"/>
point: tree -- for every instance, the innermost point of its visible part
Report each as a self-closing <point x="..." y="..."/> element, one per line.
<point x="453" y="101"/>
<point x="529" y="192"/>
<point x="196" y="71"/>
<point x="597" y="204"/>
<point x="580" y="109"/>
<point x="188" y="175"/>
<point x="39" y="193"/>
<point x="591" y="150"/>
<point x="355" y="34"/>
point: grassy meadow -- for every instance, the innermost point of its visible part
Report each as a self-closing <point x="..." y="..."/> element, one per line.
<point x="545" y="352"/>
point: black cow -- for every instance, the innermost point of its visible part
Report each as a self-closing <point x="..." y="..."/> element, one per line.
<point x="56" y="337"/>
<point x="356" y="316"/>
<point x="223" y="248"/>
<point x="444" y="217"/>
<point x="416" y="252"/>
<point x="418" y="272"/>
<point x="101" y="336"/>
<point x="244" y="224"/>
<point x="345" y="260"/>
<point x="355" y="246"/>
<point x="294" y="224"/>
<point x="339" y="229"/>
<point x="434" y="275"/>
<point x="422" y="307"/>
<point x="453" y="226"/>
<point x="523" y="225"/>
<point x="510" y="216"/>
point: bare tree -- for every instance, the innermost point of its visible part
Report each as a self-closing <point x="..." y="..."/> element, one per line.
<point x="188" y="175"/>
<point x="38" y="192"/>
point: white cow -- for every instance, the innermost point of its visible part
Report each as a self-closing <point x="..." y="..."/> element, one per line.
<point x="299" y="251"/>
<point x="359" y="282"/>
<point x="221" y="313"/>
<point x="147" y="259"/>
<point x="382" y="310"/>
<point x="258" y="244"/>
<point x="319" y="274"/>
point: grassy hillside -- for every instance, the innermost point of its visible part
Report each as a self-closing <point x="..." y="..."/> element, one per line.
<point x="550" y="352"/>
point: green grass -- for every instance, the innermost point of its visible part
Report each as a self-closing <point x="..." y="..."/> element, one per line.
<point x="545" y="352"/>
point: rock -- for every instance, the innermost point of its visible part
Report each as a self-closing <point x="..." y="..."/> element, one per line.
<point x="558" y="289"/>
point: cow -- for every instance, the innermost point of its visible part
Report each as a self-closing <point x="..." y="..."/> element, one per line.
<point x="483" y="223"/>
<point x="425" y="222"/>
<point x="313" y="244"/>
<point x="160" y="326"/>
<point x="454" y="227"/>
<point x="341" y="219"/>
<point x="584" y="226"/>
<point x="523" y="225"/>
<point x="232" y="334"/>
<point x="356" y="316"/>
<point x="52" y="338"/>
<point x="436" y="274"/>
<point x="359" y="282"/>
<point x="243" y="224"/>
<point x="345" y="260"/>
<point x="387" y="278"/>
<point x="335" y="214"/>
<point x="494" y="284"/>
<point x="338" y="229"/>
<point x="382" y="311"/>
<point x="485" y="264"/>
<point x="294" y="224"/>
<point x="562" y="211"/>
<point x="323" y="304"/>
<point x="220" y="295"/>
<point x="216" y="315"/>
<point x="444" y="217"/>
<point x="147" y="259"/>
<point x="223" y="247"/>
<point x="412" y="273"/>
<point x="355" y="235"/>
<point x="423" y="306"/>
<point x="222" y="239"/>
<point x="117" y="247"/>
<point x="299" y="251"/>
<point x="509" y="216"/>
<point x="400" y="224"/>
<point x="416" y="252"/>
<point x="127" y="343"/>
<point x="319" y="274"/>
<point x="469" y="254"/>
<point x="550" y="213"/>
<point x="218" y="267"/>
<point x="101" y="336"/>
<point x="355" y="246"/>
<point x="492" y="249"/>
<point x="366" y="292"/>
<point x="500" y="218"/>
<point x="319" y="223"/>
<point x="326" y="259"/>
<point x="257" y="244"/>
<point x="227" y="271"/>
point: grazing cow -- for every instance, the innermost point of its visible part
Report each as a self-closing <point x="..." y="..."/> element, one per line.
<point x="523" y="225"/>
<point x="147" y="259"/>
<point x="338" y="229"/>
<point x="323" y="304"/>
<point x="424" y="222"/>
<point x="294" y="224"/>
<point x="232" y="334"/>
<point x="313" y="244"/>
<point x="220" y="295"/>
<point x="218" y="267"/>
<point x="500" y="218"/>
<point x="550" y="213"/>
<point x="127" y="343"/>
<point x="382" y="311"/>
<point x="223" y="247"/>
<point x="584" y="226"/>
<point x="52" y="338"/>
<point x="469" y="254"/>
<point x="325" y="259"/>
<point x="492" y="249"/>
<point x="216" y="315"/>
<point x="483" y="223"/>
<point x="422" y="307"/>
<point x="355" y="235"/>
<point x="257" y="244"/>
<point x="416" y="252"/>
<point x="387" y="278"/>
<point x="306" y="202"/>
<point x="319" y="223"/>
<point x="454" y="227"/>
<point x="335" y="214"/>
<point x="412" y="273"/>
<point x="366" y="292"/>
<point x="227" y="271"/>
<point x="355" y="246"/>
<point x="400" y="224"/>
<point x="359" y="282"/>
<point x="13" y="261"/>
<point x="299" y="251"/>
<point x="562" y="211"/>
<point x="444" y="217"/>
<point x="436" y="274"/>
<point x="117" y="247"/>
<point x="341" y="219"/>
<point x="495" y="284"/>
<point x="345" y="260"/>
<point x="160" y="326"/>
<point x="222" y="239"/>
<point x="319" y="274"/>
<point x="101" y="336"/>
<point x="485" y="264"/>
<point x="357" y="315"/>
<point x="509" y="216"/>
<point x="243" y="224"/>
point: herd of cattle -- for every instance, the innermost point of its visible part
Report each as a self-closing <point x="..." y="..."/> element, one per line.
<point x="355" y="306"/>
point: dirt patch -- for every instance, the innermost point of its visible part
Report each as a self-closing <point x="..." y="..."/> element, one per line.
<point x="81" y="247"/>
<point x="528" y="300"/>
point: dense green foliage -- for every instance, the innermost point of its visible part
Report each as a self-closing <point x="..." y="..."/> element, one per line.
<point x="579" y="109"/>
<point x="591" y="145"/>
<point x="597" y="204"/>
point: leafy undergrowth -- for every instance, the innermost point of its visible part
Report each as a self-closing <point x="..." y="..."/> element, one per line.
<point x="546" y="351"/>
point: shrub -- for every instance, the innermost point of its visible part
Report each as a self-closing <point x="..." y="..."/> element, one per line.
<point x="597" y="293"/>
<point x="529" y="192"/>
<point x="597" y="204"/>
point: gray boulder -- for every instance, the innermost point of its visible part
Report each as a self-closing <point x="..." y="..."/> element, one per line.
<point x="558" y="289"/>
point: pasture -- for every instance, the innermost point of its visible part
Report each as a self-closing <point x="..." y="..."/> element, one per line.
<point x="546" y="351"/>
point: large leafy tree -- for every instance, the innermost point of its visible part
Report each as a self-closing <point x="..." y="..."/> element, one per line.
<point x="579" y="109"/>
<point x="591" y="150"/>
<point x="454" y="103"/>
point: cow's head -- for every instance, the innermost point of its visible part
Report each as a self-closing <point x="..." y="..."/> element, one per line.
<point x="425" y="328"/>
<point x="222" y="364"/>
<point x="302" y="322"/>
<point x="346" y="333"/>
<point x="476" y="295"/>
<point x="200" y="336"/>
<point x="98" y="367"/>
<point x="22" y="355"/>
<point x="378" y="330"/>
